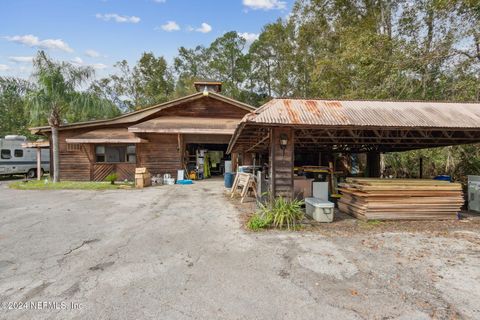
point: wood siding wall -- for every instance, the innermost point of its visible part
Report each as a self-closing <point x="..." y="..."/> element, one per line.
<point x="205" y="108"/>
<point x="75" y="164"/>
<point x="281" y="164"/>
<point x="161" y="155"/>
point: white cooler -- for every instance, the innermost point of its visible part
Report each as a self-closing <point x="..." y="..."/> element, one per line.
<point x="320" y="210"/>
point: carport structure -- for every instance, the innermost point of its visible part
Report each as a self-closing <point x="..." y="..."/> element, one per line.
<point x="282" y="127"/>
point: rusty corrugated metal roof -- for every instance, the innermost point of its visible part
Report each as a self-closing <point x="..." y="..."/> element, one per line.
<point x="367" y="113"/>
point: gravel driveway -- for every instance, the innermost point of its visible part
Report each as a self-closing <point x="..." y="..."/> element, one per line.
<point x="179" y="252"/>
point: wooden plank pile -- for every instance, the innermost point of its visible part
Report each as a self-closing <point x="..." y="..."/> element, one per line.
<point x="400" y="199"/>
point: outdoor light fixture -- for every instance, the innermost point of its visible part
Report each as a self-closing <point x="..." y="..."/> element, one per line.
<point x="283" y="142"/>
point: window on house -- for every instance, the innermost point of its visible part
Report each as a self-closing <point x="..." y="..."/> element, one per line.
<point x="18" y="153"/>
<point x="112" y="154"/>
<point x="6" y="154"/>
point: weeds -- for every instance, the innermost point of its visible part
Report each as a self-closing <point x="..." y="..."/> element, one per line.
<point x="278" y="213"/>
<point x="112" y="177"/>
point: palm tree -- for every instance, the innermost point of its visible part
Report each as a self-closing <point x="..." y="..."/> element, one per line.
<point x="58" y="95"/>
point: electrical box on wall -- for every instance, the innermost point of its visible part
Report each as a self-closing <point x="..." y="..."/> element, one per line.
<point x="474" y="193"/>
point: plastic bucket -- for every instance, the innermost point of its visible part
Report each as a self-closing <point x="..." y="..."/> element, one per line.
<point x="229" y="177"/>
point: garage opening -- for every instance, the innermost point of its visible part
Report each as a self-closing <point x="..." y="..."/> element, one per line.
<point x="205" y="160"/>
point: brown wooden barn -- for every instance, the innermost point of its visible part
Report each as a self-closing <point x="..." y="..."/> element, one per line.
<point x="160" y="138"/>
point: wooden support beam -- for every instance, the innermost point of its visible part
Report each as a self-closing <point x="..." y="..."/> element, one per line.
<point x="259" y="143"/>
<point x="39" y="163"/>
<point x="281" y="163"/>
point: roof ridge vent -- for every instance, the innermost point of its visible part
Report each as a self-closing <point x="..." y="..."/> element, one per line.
<point x="210" y="86"/>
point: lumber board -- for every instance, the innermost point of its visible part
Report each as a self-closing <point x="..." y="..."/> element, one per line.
<point x="400" y="199"/>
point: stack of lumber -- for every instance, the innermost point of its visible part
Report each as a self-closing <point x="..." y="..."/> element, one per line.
<point x="400" y="199"/>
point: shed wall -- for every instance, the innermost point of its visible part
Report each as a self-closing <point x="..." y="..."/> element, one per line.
<point x="161" y="154"/>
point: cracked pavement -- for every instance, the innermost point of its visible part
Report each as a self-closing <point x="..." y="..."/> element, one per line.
<point x="179" y="252"/>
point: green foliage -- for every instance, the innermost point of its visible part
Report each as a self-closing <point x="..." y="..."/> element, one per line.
<point x="455" y="161"/>
<point x="112" y="177"/>
<point x="55" y="96"/>
<point x="257" y="222"/>
<point x="148" y="83"/>
<point x="13" y="112"/>
<point x="280" y="213"/>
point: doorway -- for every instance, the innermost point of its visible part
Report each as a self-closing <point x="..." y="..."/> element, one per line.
<point x="205" y="160"/>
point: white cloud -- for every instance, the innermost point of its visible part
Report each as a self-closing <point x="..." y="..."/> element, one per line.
<point x="33" y="41"/>
<point x="117" y="18"/>
<point x="4" y="67"/>
<point x="98" y="66"/>
<point x="21" y="59"/>
<point x="205" y="28"/>
<point x="249" y="37"/>
<point x="265" y="4"/>
<point x="160" y="1"/>
<point x="77" y="60"/>
<point x="92" y="53"/>
<point x="170" y="26"/>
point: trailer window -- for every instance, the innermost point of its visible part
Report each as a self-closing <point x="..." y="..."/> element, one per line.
<point x="18" y="153"/>
<point x="6" y="154"/>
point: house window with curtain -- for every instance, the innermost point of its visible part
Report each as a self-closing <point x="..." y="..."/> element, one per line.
<point x="115" y="154"/>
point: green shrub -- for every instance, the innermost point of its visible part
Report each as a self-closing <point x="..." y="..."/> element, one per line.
<point x="112" y="177"/>
<point x="279" y="213"/>
<point x="256" y="222"/>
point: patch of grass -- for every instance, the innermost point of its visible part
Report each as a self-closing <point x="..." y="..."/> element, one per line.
<point x="257" y="222"/>
<point x="370" y="223"/>
<point x="67" y="185"/>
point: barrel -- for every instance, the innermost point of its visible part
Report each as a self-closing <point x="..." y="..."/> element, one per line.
<point x="229" y="177"/>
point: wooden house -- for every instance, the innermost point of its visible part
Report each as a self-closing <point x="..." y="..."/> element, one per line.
<point x="160" y="138"/>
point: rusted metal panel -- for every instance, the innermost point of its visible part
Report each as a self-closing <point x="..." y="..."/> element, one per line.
<point x="368" y="113"/>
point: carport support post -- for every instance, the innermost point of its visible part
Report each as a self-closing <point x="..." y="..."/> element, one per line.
<point x="39" y="163"/>
<point x="281" y="163"/>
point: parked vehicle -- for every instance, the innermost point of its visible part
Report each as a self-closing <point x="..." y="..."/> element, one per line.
<point x="15" y="159"/>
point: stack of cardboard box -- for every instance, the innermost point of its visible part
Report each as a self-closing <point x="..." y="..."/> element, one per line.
<point x="142" y="178"/>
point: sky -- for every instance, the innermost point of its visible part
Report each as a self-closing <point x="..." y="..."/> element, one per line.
<point x="99" y="33"/>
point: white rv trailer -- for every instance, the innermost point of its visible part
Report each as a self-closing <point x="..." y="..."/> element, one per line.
<point x="15" y="159"/>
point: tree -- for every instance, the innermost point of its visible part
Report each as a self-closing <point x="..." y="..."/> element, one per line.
<point x="273" y="60"/>
<point x="190" y="65"/>
<point x="13" y="114"/>
<point x="228" y="63"/>
<point x="148" y="83"/>
<point x="55" y="98"/>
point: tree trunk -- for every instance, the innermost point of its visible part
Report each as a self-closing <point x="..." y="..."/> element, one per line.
<point x="56" y="157"/>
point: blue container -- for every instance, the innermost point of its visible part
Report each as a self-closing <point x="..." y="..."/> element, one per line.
<point x="229" y="178"/>
<point x="443" y="178"/>
<point x="184" y="182"/>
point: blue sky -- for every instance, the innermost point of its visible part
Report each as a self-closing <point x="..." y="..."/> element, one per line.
<point x="101" y="32"/>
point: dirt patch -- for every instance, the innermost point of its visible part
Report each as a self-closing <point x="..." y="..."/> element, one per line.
<point x="345" y="225"/>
